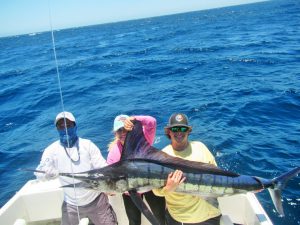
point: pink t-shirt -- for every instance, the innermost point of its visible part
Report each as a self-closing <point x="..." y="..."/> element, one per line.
<point x="149" y="129"/>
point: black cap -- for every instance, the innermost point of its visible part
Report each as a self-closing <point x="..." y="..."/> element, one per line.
<point x="178" y="119"/>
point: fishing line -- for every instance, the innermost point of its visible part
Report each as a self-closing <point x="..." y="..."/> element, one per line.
<point x="62" y="103"/>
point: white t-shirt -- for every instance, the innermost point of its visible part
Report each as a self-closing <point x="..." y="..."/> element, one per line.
<point x="56" y="158"/>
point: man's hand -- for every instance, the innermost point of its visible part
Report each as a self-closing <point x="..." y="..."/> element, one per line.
<point x="51" y="173"/>
<point x="174" y="180"/>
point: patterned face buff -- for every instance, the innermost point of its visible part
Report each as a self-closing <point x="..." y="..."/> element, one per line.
<point x="70" y="136"/>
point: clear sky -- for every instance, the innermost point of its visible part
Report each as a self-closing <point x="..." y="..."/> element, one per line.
<point x="28" y="16"/>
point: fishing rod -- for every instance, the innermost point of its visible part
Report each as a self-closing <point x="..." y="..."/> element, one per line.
<point x="62" y="100"/>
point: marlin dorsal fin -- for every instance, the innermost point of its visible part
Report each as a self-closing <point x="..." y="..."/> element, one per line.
<point x="135" y="145"/>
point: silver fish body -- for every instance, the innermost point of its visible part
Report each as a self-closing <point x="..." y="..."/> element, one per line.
<point x="142" y="175"/>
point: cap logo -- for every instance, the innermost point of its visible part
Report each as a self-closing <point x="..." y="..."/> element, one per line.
<point x="122" y="118"/>
<point x="179" y="118"/>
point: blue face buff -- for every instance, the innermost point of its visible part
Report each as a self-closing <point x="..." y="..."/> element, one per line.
<point x="71" y="136"/>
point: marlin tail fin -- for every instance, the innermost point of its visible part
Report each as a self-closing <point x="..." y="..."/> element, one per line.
<point x="278" y="185"/>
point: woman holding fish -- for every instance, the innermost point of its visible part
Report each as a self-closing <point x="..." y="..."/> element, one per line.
<point x="123" y="124"/>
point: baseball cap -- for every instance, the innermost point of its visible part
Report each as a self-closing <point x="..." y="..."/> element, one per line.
<point x="66" y="115"/>
<point x="119" y="122"/>
<point x="178" y="119"/>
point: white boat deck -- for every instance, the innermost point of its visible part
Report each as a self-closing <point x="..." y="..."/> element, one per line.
<point x="38" y="203"/>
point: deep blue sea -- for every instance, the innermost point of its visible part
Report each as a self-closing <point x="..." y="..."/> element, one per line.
<point x="234" y="71"/>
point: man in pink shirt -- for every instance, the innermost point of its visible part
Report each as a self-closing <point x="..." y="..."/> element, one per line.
<point x="123" y="124"/>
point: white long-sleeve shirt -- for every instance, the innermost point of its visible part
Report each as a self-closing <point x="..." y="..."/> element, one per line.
<point x="56" y="158"/>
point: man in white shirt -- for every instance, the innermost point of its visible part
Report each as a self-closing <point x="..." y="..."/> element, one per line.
<point x="72" y="154"/>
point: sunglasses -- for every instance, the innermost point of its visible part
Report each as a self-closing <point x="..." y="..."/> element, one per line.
<point x="179" y="129"/>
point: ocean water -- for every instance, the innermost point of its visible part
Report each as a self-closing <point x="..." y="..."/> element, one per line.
<point x="234" y="71"/>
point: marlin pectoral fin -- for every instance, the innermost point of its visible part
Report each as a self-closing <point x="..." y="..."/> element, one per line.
<point x="138" y="201"/>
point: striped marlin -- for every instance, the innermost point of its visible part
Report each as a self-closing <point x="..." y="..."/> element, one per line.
<point x="143" y="167"/>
